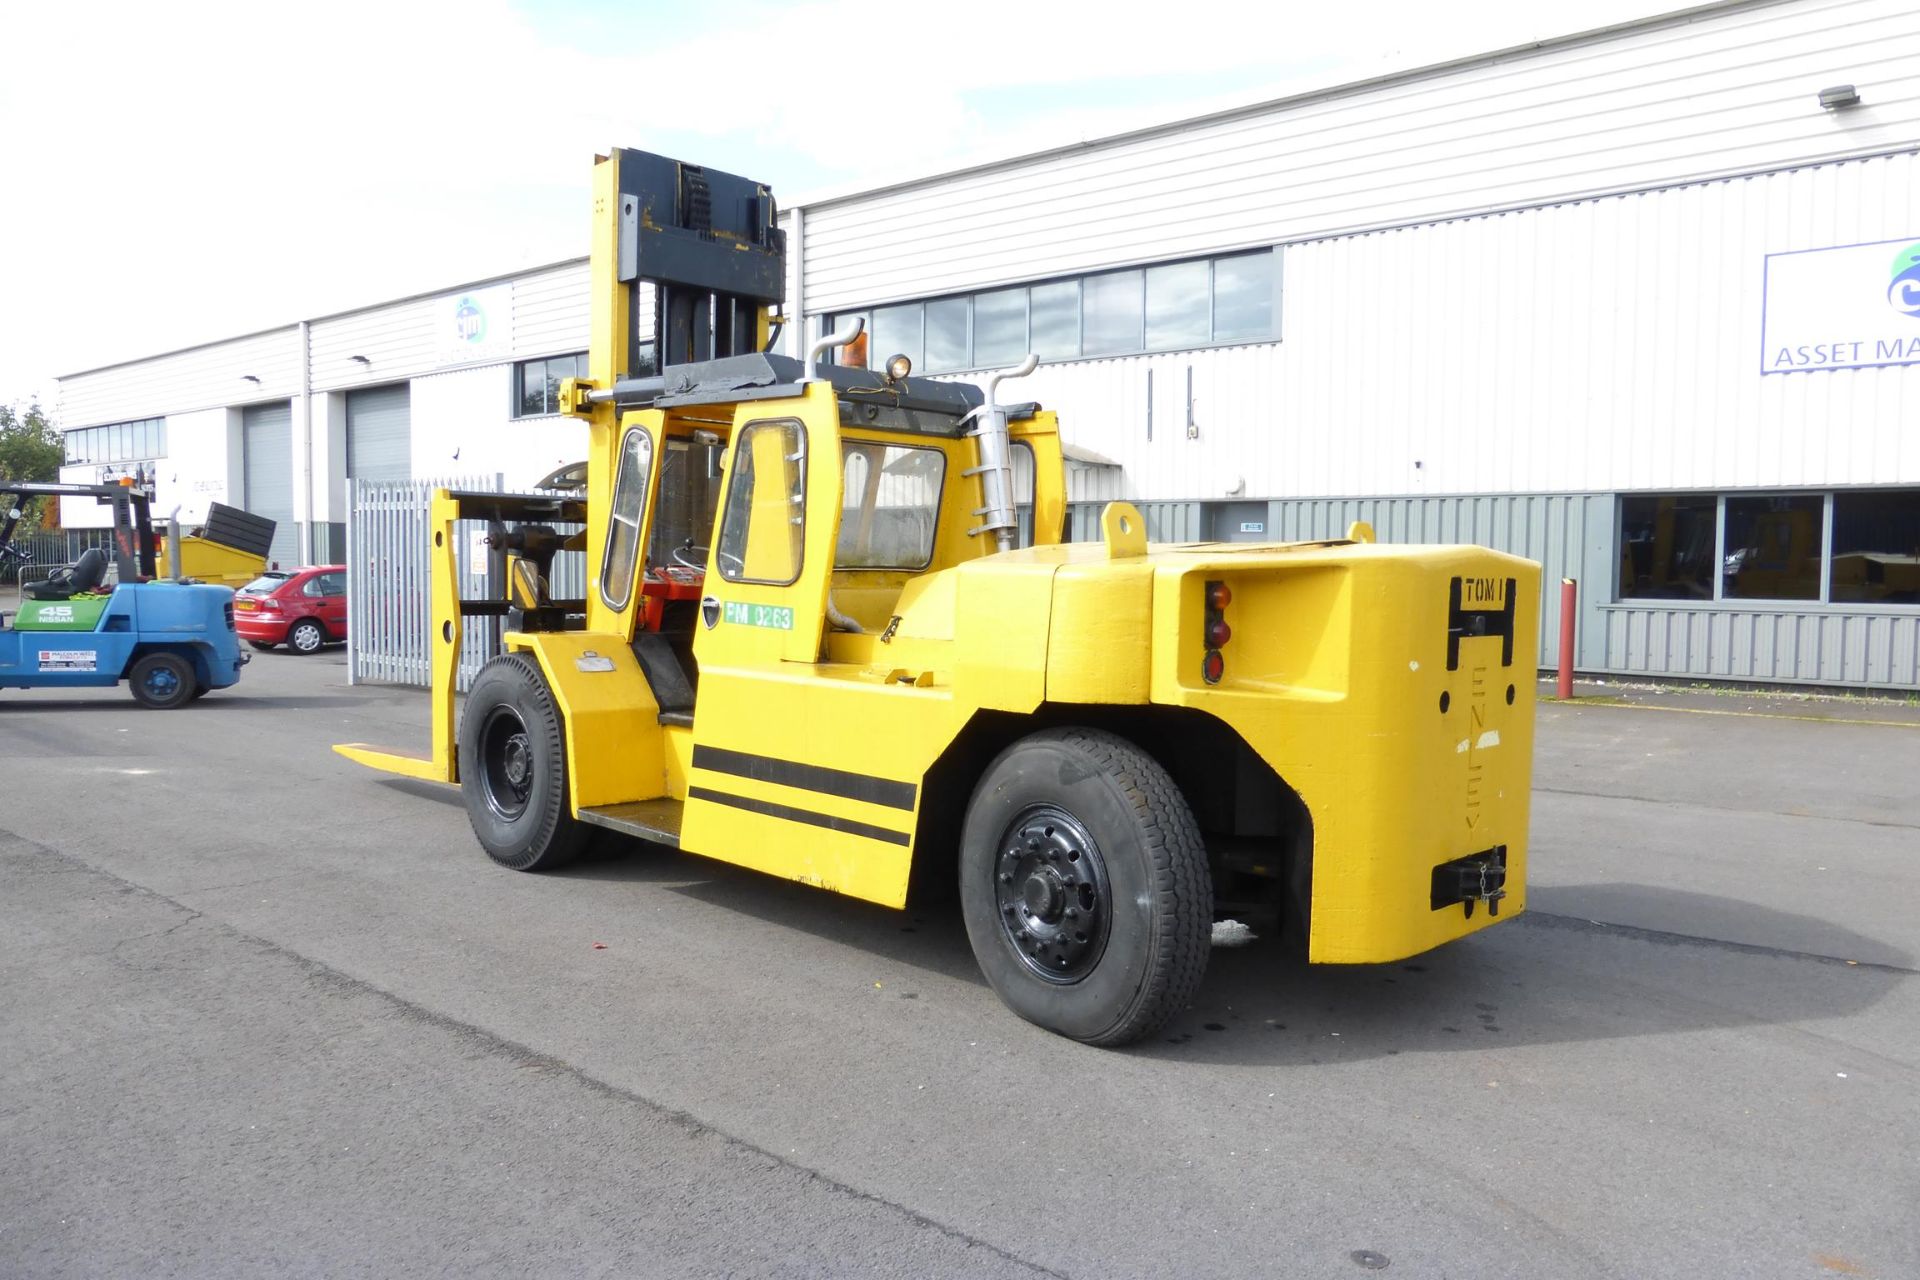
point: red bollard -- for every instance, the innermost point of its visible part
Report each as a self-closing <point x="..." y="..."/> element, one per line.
<point x="1569" y="610"/>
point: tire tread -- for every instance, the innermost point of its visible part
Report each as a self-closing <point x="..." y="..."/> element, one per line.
<point x="562" y="837"/>
<point x="1181" y="879"/>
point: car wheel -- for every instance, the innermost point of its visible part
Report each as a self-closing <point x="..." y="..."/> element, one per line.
<point x="162" y="681"/>
<point x="1084" y="886"/>
<point x="513" y="768"/>
<point x="306" y="636"/>
<point x="263" y="646"/>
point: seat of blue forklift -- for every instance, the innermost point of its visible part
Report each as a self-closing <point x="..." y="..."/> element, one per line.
<point x="84" y="574"/>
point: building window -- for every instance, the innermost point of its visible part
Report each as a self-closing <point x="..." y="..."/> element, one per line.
<point x="536" y="383"/>
<point x="1876" y="547"/>
<point x="1666" y="546"/>
<point x="1859" y="547"/>
<point x="1171" y="307"/>
<point x="1773" y="548"/>
<point x="140" y="441"/>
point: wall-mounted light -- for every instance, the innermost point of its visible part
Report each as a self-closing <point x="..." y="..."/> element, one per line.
<point x="248" y="377"/>
<point x="361" y="360"/>
<point x="1840" y="95"/>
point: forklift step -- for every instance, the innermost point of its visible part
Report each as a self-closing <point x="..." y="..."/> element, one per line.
<point x="655" y="820"/>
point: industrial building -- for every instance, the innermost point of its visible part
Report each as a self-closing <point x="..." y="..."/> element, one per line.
<point x="1641" y="303"/>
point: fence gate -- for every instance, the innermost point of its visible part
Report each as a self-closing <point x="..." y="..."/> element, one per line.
<point x="389" y="573"/>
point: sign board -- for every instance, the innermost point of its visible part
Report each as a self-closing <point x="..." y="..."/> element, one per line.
<point x="1849" y="307"/>
<point x="1253" y="526"/>
<point x="474" y="325"/>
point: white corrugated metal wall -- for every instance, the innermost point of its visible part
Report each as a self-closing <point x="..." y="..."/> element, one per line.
<point x="1610" y="343"/>
<point x="1721" y="91"/>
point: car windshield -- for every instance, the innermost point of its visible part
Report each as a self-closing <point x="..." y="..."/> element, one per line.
<point x="266" y="585"/>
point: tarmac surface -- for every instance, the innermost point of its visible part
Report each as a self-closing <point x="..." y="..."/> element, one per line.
<point x="264" y="1012"/>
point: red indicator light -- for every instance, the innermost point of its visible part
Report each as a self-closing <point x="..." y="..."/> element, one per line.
<point x="1218" y="633"/>
<point x="1214" y="667"/>
<point x="1219" y="596"/>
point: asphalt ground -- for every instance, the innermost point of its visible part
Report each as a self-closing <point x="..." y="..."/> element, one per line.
<point x="265" y="1012"/>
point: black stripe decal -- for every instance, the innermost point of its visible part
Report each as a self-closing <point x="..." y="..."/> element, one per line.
<point x="768" y="808"/>
<point x="807" y="777"/>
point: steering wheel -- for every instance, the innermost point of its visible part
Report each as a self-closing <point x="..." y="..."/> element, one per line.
<point x="689" y="556"/>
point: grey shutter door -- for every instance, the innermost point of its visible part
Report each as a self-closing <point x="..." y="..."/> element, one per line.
<point x="379" y="434"/>
<point x="267" y="441"/>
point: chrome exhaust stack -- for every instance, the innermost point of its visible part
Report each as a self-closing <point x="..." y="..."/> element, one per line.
<point x="995" y="467"/>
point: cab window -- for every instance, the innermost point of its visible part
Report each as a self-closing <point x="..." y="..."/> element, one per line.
<point x="628" y="511"/>
<point x="890" y="505"/>
<point x="764" y="527"/>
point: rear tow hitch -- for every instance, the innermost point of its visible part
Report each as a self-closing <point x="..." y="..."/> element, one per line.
<point x="1478" y="877"/>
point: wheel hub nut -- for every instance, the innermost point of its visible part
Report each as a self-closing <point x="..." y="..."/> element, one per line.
<point x="1044" y="895"/>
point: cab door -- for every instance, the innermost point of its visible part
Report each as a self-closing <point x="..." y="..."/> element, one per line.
<point x="333" y="602"/>
<point x="783" y="775"/>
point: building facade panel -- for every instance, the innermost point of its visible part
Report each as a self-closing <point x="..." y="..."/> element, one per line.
<point x="552" y="311"/>
<point x="216" y="374"/>
<point x="1725" y="91"/>
<point x="1610" y="343"/>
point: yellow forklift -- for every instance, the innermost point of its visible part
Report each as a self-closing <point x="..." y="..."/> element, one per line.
<point x="826" y="634"/>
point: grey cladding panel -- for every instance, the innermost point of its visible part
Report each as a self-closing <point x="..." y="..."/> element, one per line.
<point x="267" y="444"/>
<point x="379" y="434"/>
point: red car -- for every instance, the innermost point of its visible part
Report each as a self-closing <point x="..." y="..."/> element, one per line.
<point x="300" y="608"/>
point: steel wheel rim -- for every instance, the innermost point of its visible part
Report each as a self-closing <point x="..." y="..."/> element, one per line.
<point x="506" y="763"/>
<point x="1051" y="894"/>
<point x="306" y="639"/>
<point x="163" y="682"/>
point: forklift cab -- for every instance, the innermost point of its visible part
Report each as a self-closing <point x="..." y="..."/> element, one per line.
<point x="786" y="526"/>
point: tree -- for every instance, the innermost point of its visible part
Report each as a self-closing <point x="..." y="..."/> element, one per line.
<point x="30" y="448"/>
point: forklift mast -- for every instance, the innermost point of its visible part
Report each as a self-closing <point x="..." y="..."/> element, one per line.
<point x="710" y="243"/>
<point x="134" y="549"/>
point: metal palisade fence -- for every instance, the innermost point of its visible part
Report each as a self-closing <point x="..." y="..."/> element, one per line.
<point x="389" y="581"/>
<point x="390" y="571"/>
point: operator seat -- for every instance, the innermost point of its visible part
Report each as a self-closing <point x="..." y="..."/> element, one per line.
<point x="84" y="574"/>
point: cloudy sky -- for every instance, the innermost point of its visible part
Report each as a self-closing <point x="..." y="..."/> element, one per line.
<point x="172" y="173"/>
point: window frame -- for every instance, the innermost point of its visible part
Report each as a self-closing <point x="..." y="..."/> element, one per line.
<point x="112" y="443"/>
<point x="939" y="504"/>
<point x="831" y="321"/>
<point x="741" y="437"/>
<point x="613" y="517"/>
<point x="1823" y="603"/>
<point x="518" y="386"/>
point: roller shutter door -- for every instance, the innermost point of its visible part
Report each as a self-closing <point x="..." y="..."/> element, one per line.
<point x="267" y="443"/>
<point x="379" y="434"/>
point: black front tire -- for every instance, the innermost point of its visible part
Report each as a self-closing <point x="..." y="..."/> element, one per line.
<point x="162" y="681"/>
<point x="513" y="768"/>
<point x="306" y="636"/>
<point x="1084" y="885"/>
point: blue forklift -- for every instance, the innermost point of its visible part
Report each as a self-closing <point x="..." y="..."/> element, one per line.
<point x="172" y="641"/>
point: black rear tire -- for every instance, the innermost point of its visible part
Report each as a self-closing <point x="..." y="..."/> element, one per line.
<point x="306" y="636"/>
<point x="162" y="681"/>
<point x="1084" y="885"/>
<point x="513" y="768"/>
